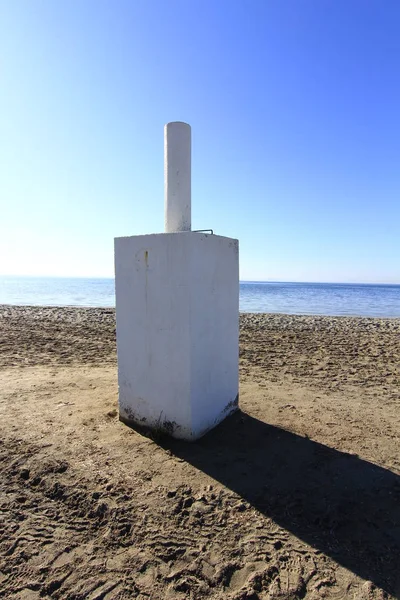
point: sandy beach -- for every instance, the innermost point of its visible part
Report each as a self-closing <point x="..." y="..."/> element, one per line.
<point x="295" y="496"/>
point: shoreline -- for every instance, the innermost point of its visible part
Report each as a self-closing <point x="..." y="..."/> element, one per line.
<point x="255" y="313"/>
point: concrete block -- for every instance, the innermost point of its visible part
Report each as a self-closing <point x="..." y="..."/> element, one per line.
<point x="177" y="307"/>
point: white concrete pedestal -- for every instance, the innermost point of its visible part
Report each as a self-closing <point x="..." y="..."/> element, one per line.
<point x="177" y="307"/>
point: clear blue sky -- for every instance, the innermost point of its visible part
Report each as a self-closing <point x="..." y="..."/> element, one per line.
<point x="295" y="114"/>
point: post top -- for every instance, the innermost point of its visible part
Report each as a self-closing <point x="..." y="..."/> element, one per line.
<point x="172" y="123"/>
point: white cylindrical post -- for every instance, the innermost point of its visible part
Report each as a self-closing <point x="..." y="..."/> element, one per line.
<point x="177" y="177"/>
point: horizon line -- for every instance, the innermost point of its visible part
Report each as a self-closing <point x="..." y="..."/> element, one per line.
<point x="264" y="281"/>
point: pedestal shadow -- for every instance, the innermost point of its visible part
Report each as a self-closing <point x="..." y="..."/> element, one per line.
<point x="346" y="507"/>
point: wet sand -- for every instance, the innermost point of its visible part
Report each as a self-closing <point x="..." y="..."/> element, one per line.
<point x="295" y="496"/>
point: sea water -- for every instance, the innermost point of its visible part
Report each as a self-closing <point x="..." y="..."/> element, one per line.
<point x="261" y="297"/>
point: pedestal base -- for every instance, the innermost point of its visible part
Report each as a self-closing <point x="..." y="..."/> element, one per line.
<point x="177" y="310"/>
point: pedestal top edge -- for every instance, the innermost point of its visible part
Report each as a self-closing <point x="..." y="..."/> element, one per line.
<point x="177" y="233"/>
